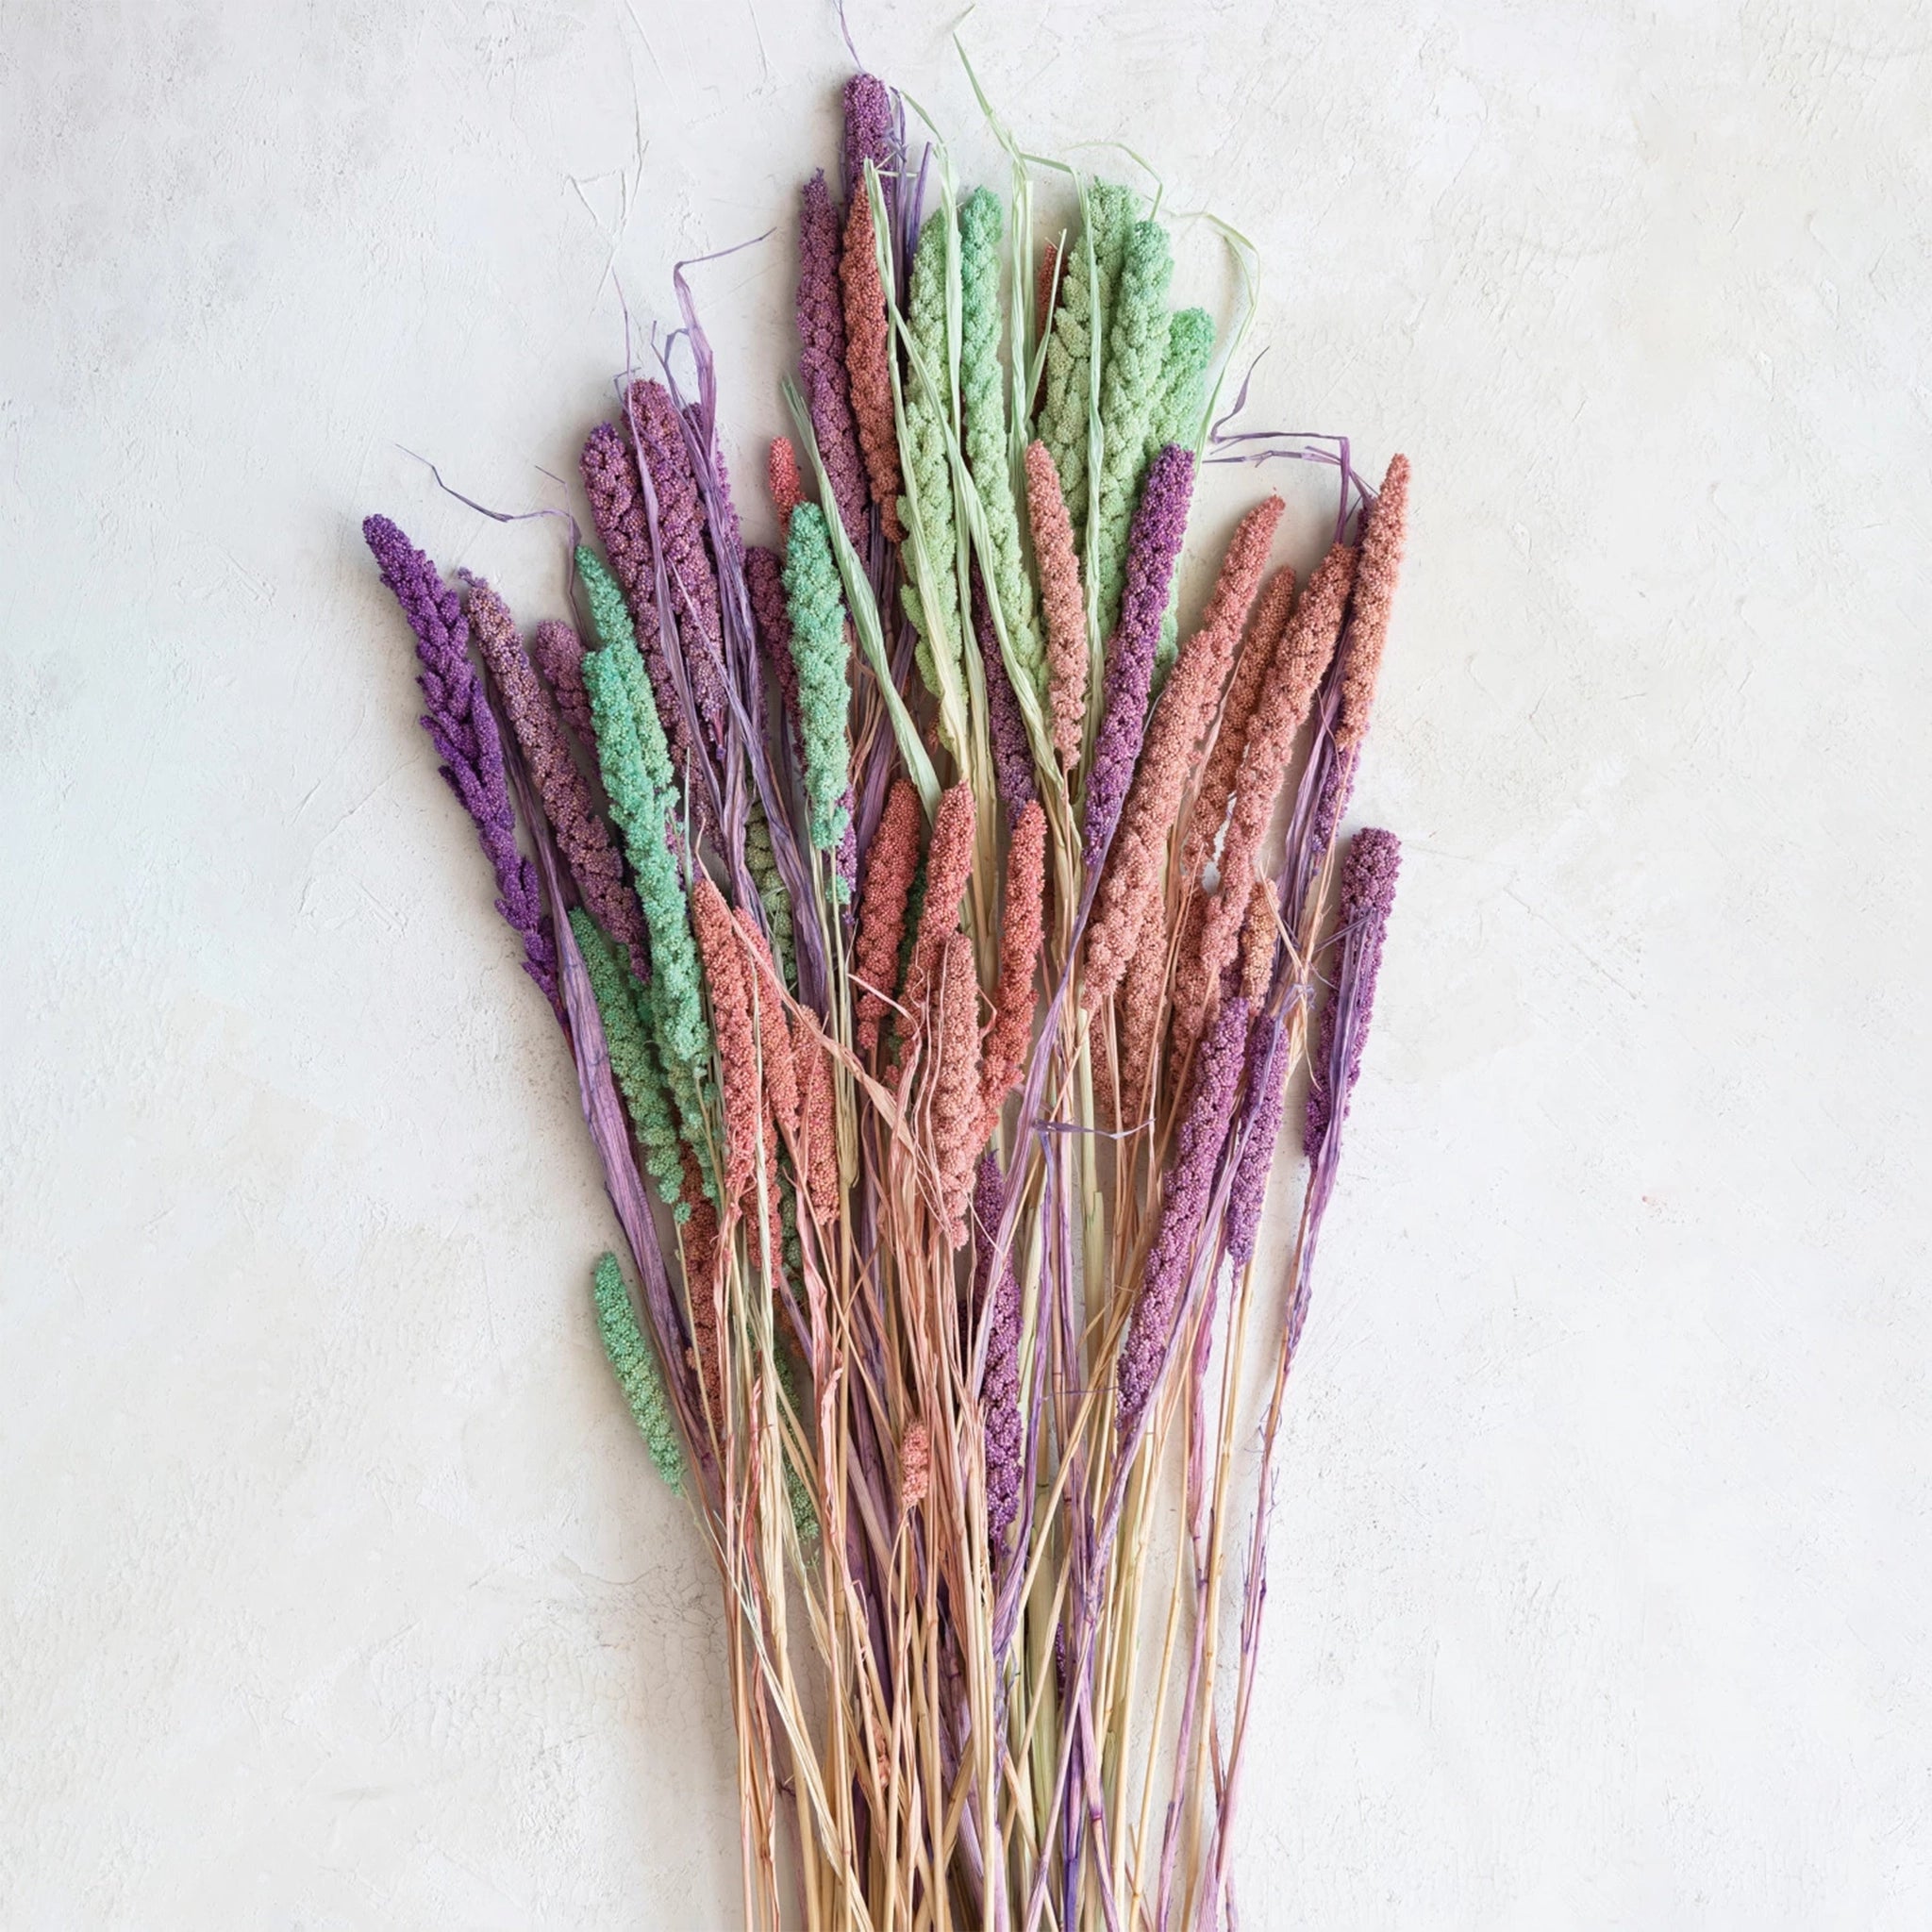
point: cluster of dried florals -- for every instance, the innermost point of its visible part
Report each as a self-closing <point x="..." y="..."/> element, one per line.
<point x="900" y="892"/>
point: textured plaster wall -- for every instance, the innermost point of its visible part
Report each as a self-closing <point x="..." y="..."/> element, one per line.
<point x="334" y="1590"/>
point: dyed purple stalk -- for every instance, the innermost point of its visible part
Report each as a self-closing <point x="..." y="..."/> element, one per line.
<point x="1332" y="801"/>
<point x="1154" y="547"/>
<point x="582" y="837"/>
<point x="876" y="131"/>
<point x="870" y="131"/>
<point x="463" y="730"/>
<point x="1215" y="1083"/>
<point x="1368" y="892"/>
<point x="822" y="354"/>
<point x="1012" y="756"/>
<point x="1319" y="795"/>
<point x="560" y="654"/>
<point x="617" y="507"/>
<point x="727" y="537"/>
<point x="999" y="1388"/>
<point x="771" y="620"/>
<point x="660" y="432"/>
<point x="1348" y="690"/>
<point x="729" y="555"/>
<point x="1260" y="1128"/>
<point x="738" y="657"/>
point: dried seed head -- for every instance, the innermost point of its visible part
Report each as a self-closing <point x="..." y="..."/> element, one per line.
<point x="954" y="1094"/>
<point x="1374" y="597"/>
<point x="1021" y="921"/>
<point x="1061" y="602"/>
<point x="890" y="862"/>
<point x="948" y="867"/>
<point x="1261" y="933"/>
<point x="869" y="361"/>
<point x="915" y="1466"/>
<point x="731" y="1019"/>
<point x="782" y="479"/>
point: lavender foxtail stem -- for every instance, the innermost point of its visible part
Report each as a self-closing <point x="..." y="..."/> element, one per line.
<point x="658" y="433"/>
<point x="996" y="1303"/>
<point x="822" y="354"/>
<point x="582" y="837"/>
<point x="1215" y="1085"/>
<point x="614" y="486"/>
<point x="1368" y="894"/>
<point x="1154" y="547"/>
<point x="1260" y="1130"/>
<point x="463" y="729"/>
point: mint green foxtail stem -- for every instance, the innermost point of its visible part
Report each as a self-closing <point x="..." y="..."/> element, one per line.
<point x="1177" y="418"/>
<point x="816" y="604"/>
<point x="934" y="604"/>
<point x="1130" y="394"/>
<point x="1183" y="381"/>
<point x="1077" y="341"/>
<point x="636" y="765"/>
<point x="623" y="1005"/>
<point x="761" y="862"/>
<point x="635" y="1364"/>
<point x="988" y="452"/>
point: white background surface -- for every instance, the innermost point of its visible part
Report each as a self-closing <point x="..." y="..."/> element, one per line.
<point x="337" y="1590"/>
